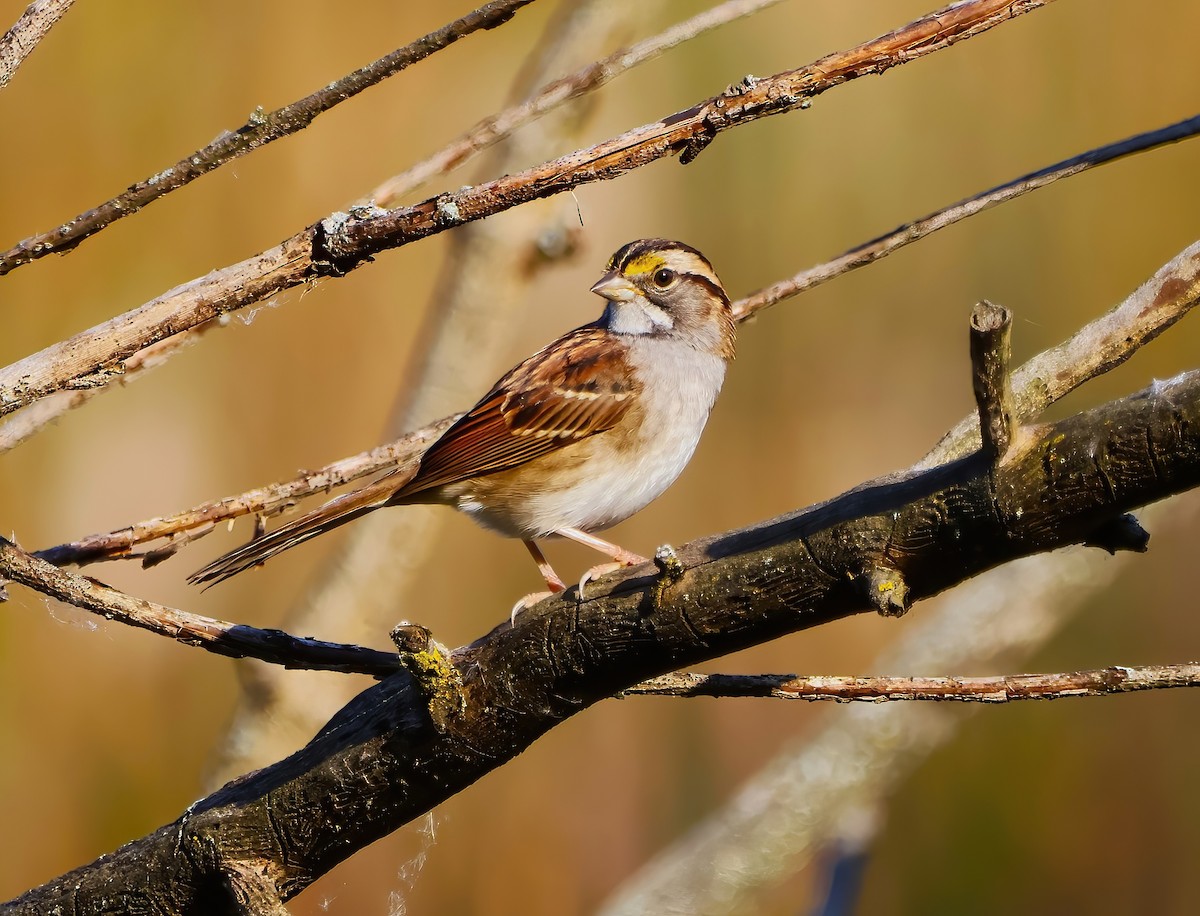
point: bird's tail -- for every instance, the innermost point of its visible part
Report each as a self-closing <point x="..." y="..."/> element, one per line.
<point x="333" y="514"/>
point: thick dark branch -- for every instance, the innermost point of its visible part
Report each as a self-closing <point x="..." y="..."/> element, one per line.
<point x="1004" y="688"/>
<point x="342" y="242"/>
<point x="233" y="640"/>
<point x="262" y="128"/>
<point x="404" y="746"/>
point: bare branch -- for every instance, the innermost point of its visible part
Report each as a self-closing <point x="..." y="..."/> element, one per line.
<point x="345" y="242"/>
<point x="269" y="500"/>
<point x="1004" y="688"/>
<point x="1094" y="349"/>
<point x="991" y="348"/>
<point x="217" y="636"/>
<point x="496" y="127"/>
<point x="342" y="242"/>
<point x="869" y="252"/>
<point x="28" y="422"/>
<point x="29" y="29"/>
<point x="261" y="128"/>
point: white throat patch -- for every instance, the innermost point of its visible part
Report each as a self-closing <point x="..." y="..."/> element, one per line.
<point x="637" y="317"/>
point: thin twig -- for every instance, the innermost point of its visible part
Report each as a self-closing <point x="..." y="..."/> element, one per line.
<point x="346" y="241"/>
<point x="217" y="636"/>
<point x="29" y="29"/>
<point x="342" y="242"/>
<point x="269" y="500"/>
<point x="496" y="127"/>
<point x="1005" y="688"/>
<point x="259" y="130"/>
<point x="869" y="252"/>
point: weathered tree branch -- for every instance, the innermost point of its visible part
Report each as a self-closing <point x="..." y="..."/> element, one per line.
<point x="29" y="29"/>
<point x="261" y="128"/>
<point x="1003" y="688"/>
<point x="502" y="124"/>
<point x="262" y="501"/>
<point x="342" y="242"/>
<point x="407" y="744"/>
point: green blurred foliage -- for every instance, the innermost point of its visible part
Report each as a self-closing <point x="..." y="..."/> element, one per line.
<point x="107" y="732"/>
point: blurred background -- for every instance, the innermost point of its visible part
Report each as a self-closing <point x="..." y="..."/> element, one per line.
<point x="108" y="733"/>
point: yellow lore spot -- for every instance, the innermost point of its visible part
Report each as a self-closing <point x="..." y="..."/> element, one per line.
<point x="644" y="264"/>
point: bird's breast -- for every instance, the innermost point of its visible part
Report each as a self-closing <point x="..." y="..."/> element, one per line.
<point x="602" y="480"/>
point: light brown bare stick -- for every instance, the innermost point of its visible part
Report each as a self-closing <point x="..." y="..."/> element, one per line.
<point x="587" y="79"/>
<point x="28" y="422"/>
<point x="261" y="128"/>
<point x="218" y="636"/>
<point x="1000" y="689"/>
<point x="343" y="241"/>
<point x="1096" y="348"/>
<point x="991" y="347"/>
<point x="13" y="433"/>
<point x="29" y="29"/>
<point x="268" y="500"/>
<point x="346" y="241"/>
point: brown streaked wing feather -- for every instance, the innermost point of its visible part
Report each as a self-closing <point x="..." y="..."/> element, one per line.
<point x="578" y="386"/>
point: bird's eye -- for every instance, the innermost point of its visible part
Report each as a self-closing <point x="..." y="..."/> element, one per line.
<point x="664" y="277"/>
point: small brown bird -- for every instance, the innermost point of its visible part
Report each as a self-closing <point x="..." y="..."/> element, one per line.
<point x="578" y="437"/>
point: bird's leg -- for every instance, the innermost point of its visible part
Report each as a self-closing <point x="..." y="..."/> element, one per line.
<point x="553" y="582"/>
<point x="621" y="556"/>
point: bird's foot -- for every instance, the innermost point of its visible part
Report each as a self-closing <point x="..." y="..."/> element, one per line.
<point x="554" y="586"/>
<point x="621" y="560"/>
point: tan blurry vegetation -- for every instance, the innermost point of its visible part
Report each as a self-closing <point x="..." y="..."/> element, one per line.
<point x="856" y="380"/>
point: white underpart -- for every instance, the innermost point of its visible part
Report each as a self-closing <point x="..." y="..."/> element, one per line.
<point x="680" y="386"/>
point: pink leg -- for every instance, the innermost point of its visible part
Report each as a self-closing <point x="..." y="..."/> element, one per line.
<point x="620" y="554"/>
<point x="553" y="583"/>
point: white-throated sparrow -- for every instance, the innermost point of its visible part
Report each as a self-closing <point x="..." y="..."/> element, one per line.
<point x="579" y="436"/>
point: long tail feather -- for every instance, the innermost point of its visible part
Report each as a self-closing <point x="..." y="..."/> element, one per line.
<point x="333" y="514"/>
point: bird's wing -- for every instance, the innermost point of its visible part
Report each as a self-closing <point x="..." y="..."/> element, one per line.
<point x="578" y="386"/>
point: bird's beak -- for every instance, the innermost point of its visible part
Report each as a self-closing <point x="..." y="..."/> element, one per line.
<point x="615" y="288"/>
